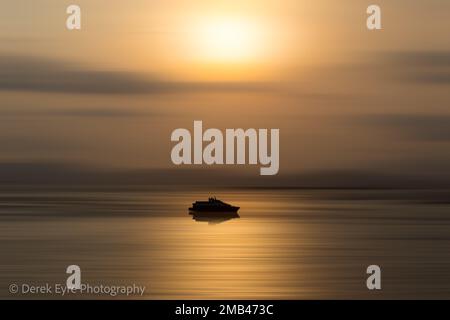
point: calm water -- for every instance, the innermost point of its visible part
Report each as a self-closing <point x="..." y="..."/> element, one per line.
<point x="287" y="244"/>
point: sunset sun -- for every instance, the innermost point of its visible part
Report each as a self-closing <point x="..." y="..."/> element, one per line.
<point x="229" y="40"/>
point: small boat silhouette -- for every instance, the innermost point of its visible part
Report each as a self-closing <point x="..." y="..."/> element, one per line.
<point x="213" y="205"/>
<point x="213" y="211"/>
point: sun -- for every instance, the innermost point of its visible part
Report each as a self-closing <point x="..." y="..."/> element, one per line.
<point x="228" y="40"/>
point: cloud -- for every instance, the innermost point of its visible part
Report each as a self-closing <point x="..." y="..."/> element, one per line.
<point x="36" y="144"/>
<point x="70" y="174"/>
<point x="433" y="78"/>
<point x="419" y="127"/>
<point x="426" y="58"/>
<point x="85" y="112"/>
<point x="429" y="67"/>
<point x="19" y="73"/>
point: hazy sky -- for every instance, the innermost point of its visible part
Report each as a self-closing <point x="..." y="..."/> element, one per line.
<point x="342" y="96"/>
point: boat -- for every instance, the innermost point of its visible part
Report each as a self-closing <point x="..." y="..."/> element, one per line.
<point x="212" y="205"/>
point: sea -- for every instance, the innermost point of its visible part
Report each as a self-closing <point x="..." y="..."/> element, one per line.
<point x="285" y="243"/>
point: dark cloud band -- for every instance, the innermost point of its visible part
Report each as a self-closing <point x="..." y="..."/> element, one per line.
<point x="40" y="75"/>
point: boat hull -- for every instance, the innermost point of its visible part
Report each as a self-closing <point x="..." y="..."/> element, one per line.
<point x="214" y="209"/>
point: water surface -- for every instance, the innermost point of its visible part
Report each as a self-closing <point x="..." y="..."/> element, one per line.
<point x="287" y="244"/>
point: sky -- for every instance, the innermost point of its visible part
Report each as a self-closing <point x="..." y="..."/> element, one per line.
<point x="344" y="98"/>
